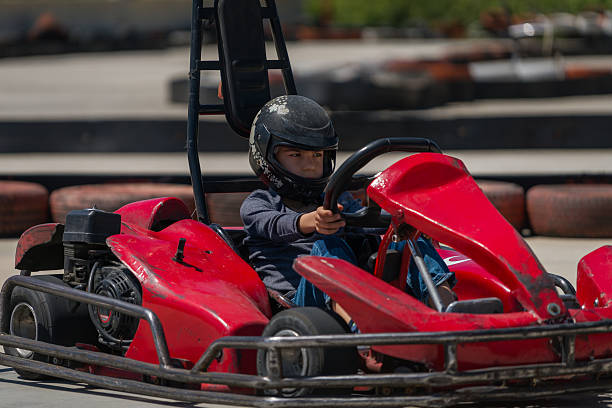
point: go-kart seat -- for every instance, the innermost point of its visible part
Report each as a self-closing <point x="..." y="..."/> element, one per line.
<point x="237" y="235"/>
<point x="234" y="238"/>
<point x="393" y="263"/>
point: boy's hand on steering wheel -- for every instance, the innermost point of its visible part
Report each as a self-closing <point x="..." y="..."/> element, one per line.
<point x="321" y="220"/>
<point x="326" y="222"/>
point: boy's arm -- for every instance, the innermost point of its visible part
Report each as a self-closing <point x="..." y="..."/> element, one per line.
<point x="262" y="219"/>
<point x="322" y="221"/>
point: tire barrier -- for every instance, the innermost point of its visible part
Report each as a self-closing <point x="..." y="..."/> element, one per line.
<point x="573" y="210"/>
<point x="110" y="197"/>
<point x="508" y="198"/>
<point x="553" y="210"/>
<point x="224" y="208"/>
<point x="22" y="205"/>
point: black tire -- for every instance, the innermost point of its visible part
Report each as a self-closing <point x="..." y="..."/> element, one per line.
<point x="44" y="317"/>
<point x="308" y="321"/>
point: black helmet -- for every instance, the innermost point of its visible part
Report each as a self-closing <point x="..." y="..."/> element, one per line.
<point x="296" y="121"/>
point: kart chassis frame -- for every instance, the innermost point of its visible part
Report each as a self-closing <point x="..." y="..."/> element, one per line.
<point x="441" y="382"/>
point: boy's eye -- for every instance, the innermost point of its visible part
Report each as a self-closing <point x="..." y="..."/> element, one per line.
<point x="317" y="154"/>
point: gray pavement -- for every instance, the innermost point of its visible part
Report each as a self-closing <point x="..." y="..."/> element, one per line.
<point x="134" y="84"/>
<point x="479" y="162"/>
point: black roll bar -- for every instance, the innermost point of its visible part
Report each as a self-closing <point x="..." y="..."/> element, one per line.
<point x="193" y="112"/>
<point x="243" y="67"/>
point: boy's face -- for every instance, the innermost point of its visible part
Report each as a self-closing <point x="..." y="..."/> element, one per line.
<point x="302" y="163"/>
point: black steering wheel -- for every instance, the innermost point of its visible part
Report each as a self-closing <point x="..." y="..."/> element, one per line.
<point x="370" y="216"/>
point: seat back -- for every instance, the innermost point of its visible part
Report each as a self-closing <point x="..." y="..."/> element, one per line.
<point x="243" y="68"/>
<point x="243" y="62"/>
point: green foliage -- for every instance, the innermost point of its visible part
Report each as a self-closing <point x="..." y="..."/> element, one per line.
<point x="402" y="12"/>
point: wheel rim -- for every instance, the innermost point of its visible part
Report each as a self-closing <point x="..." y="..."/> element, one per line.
<point x="24" y="324"/>
<point x="294" y="361"/>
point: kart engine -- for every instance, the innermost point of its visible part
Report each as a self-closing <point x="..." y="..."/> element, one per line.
<point x="90" y="265"/>
<point x="116" y="329"/>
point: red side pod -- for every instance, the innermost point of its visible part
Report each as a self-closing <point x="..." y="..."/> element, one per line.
<point x="594" y="282"/>
<point x="209" y="292"/>
<point x="436" y="194"/>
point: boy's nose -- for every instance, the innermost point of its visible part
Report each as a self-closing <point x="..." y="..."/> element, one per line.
<point x="310" y="162"/>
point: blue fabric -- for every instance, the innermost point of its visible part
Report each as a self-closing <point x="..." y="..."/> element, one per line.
<point x="330" y="246"/>
<point x="273" y="237"/>
<point x="333" y="247"/>
<point x="435" y="265"/>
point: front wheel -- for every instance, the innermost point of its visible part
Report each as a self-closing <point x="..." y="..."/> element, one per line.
<point x="311" y="361"/>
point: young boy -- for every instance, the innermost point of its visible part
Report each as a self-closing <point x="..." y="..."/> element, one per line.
<point x="292" y="148"/>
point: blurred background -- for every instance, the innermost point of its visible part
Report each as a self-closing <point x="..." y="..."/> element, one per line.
<point x="95" y="92"/>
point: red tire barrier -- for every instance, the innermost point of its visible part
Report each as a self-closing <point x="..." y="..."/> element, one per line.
<point x="224" y="208"/>
<point x="508" y="198"/>
<point x="580" y="210"/>
<point x="110" y="197"/>
<point x="22" y="205"/>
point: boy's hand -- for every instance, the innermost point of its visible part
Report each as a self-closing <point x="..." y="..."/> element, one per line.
<point x="321" y="220"/>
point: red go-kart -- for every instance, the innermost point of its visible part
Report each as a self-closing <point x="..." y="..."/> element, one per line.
<point x="152" y="301"/>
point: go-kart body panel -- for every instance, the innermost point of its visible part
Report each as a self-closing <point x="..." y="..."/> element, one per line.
<point x="210" y="296"/>
<point x="40" y="248"/>
<point x="209" y="293"/>
<point x="154" y="212"/>
<point x="594" y="278"/>
<point x="377" y="307"/>
<point x="436" y="194"/>
<point x="474" y="282"/>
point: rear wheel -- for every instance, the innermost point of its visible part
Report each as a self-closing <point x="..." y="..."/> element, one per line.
<point x="307" y="321"/>
<point x="40" y="316"/>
